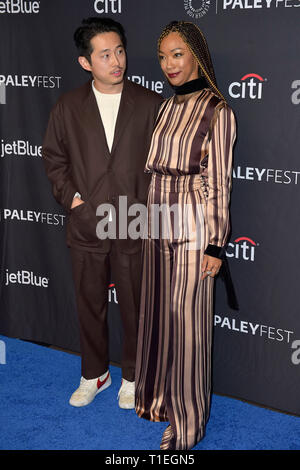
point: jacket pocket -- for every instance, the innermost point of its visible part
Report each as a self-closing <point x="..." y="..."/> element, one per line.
<point x="82" y="223"/>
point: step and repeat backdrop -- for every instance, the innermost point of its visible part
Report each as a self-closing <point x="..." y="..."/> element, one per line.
<point x="255" y="49"/>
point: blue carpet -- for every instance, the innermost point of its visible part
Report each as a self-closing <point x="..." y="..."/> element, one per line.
<point x="36" y="383"/>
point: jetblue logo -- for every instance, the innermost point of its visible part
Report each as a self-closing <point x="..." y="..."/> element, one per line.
<point x="19" y="148"/>
<point x="156" y="86"/>
<point x="26" y="278"/>
<point x="19" y="6"/>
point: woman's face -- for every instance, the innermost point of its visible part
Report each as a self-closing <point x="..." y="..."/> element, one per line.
<point x="177" y="62"/>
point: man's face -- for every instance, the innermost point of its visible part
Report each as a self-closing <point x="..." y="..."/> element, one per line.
<point x="108" y="62"/>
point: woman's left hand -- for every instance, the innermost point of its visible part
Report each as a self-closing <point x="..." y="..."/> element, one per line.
<point x="210" y="266"/>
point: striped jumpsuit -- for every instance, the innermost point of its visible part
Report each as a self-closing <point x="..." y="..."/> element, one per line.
<point x="190" y="159"/>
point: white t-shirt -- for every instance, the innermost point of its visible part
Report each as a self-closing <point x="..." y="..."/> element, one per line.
<point x="108" y="105"/>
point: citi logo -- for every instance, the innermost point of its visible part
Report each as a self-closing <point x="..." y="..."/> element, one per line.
<point x="112" y="294"/>
<point x="26" y="278"/>
<point x="242" y="248"/>
<point x="108" y="6"/>
<point x="250" y="86"/>
<point x="19" y="6"/>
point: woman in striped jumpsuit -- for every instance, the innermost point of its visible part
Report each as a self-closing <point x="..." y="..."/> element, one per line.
<point x="191" y="162"/>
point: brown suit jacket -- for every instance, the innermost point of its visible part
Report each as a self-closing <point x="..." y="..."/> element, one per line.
<point x="77" y="158"/>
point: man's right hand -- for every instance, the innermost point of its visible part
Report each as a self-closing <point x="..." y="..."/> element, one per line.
<point x="76" y="202"/>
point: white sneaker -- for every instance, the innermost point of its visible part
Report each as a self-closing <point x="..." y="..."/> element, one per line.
<point x="88" y="389"/>
<point x="126" y="395"/>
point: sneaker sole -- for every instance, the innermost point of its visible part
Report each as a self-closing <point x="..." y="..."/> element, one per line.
<point x="126" y="407"/>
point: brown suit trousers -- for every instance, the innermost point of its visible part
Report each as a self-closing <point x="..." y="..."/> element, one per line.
<point x="92" y="274"/>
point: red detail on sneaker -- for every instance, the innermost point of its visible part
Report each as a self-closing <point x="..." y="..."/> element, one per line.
<point x="101" y="383"/>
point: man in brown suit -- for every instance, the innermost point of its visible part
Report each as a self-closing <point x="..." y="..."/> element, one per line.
<point x="95" y="149"/>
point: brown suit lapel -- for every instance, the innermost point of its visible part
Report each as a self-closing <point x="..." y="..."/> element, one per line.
<point x="125" y="112"/>
<point x="93" y="121"/>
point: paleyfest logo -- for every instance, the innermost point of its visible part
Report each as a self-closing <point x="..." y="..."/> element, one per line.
<point x="268" y="333"/>
<point x="25" y="215"/>
<point x="30" y="81"/>
<point x="27" y="81"/>
<point x="2" y="93"/>
<point x="196" y="8"/>
<point x="255" y="4"/>
<point x="250" y="86"/>
<point x="266" y="175"/>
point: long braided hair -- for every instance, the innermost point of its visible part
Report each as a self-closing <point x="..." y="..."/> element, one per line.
<point x="196" y="42"/>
